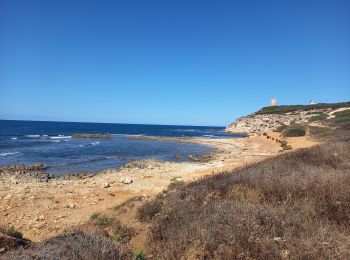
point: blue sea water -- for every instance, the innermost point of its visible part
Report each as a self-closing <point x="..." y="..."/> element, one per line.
<point x="29" y="142"/>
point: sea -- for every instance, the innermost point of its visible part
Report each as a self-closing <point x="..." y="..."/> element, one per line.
<point x="51" y="143"/>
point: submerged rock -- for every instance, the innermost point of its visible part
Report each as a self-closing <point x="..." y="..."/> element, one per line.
<point x="103" y="136"/>
<point x="21" y="167"/>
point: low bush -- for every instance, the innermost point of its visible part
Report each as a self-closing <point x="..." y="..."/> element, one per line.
<point x="149" y="209"/>
<point x="175" y="182"/>
<point x="319" y="117"/>
<point x="342" y="114"/>
<point x="293" y="108"/>
<point x="281" y="128"/>
<point x="287" y="147"/>
<point x="104" y="221"/>
<point x="11" y="231"/>
<point x="294" y="131"/>
<point x="75" y="245"/>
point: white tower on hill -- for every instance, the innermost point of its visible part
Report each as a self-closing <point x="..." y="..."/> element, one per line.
<point x="273" y="102"/>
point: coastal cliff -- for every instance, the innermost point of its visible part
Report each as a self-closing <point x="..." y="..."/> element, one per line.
<point x="271" y="118"/>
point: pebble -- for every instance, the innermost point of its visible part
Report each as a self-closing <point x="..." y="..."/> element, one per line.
<point x="105" y="185"/>
<point x="126" y="180"/>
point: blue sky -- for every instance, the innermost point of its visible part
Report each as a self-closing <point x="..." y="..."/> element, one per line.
<point x="169" y="62"/>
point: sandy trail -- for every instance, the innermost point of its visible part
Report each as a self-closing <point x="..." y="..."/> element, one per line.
<point x="44" y="209"/>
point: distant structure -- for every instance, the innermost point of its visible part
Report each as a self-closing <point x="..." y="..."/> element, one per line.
<point x="273" y="102"/>
<point x="312" y="102"/>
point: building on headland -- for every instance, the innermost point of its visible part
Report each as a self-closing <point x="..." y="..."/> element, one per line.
<point x="312" y="102"/>
<point x="273" y="102"/>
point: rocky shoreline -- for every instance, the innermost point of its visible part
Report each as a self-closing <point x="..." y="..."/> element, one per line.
<point x="41" y="206"/>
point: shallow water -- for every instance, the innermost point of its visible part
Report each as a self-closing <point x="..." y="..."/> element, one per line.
<point x="29" y="142"/>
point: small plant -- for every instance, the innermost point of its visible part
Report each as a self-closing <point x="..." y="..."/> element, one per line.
<point x="281" y="128"/>
<point x="138" y="255"/>
<point x="104" y="221"/>
<point x="287" y="147"/>
<point x="175" y="182"/>
<point x="94" y="216"/>
<point x="12" y="231"/>
<point x="283" y="143"/>
<point x="120" y="233"/>
<point x="149" y="209"/>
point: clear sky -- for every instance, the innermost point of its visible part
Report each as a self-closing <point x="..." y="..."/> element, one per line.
<point x="169" y="62"/>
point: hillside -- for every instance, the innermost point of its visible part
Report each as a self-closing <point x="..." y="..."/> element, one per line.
<point x="271" y="118"/>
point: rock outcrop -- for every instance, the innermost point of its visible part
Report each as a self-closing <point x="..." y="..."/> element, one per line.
<point x="258" y="123"/>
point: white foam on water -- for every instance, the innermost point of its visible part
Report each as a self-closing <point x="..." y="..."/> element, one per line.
<point x="60" y="137"/>
<point x="13" y="138"/>
<point x="32" y="136"/>
<point x="209" y="136"/>
<point x="9" y="153"/>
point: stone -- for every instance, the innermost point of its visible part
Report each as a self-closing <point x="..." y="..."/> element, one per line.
<point x="105" y="185"/>
<point x="277" y="239"/>
<point x="126" y="180"/>
<point x="71" y="205"/>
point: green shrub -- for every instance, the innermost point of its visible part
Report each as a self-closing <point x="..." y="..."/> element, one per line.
<point x="293" y="108"/>
<point x="283" y="142"/>
<point x="342" y="114"/>
<point x="287" y="147"/>
<point x="319" y="117"/>
<point x="94" y="216"/>
<point x="294" y="131"/>
<point x="281" y="128"/>
<point x="138" y="255"/>
<point x="104" y="221"/>
<point x="120" y="233"/>
<point x="175" y="182"/>
<point x="12" y="232"/>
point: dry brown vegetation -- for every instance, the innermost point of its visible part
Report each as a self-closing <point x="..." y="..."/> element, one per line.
<point x="295" y="206"/>
<point x="75" y="245"/>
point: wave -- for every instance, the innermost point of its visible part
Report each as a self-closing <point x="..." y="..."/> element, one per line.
<point x="32" y="136"/>
<point x="60" y="137"/>
<point x="9" y="153"/>
<point x="13" y="138"/>
<point x="89" y="144"/>
<point x="184" y="130"/>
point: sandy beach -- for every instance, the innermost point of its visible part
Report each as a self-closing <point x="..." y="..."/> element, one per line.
<point x="44" y="209"/>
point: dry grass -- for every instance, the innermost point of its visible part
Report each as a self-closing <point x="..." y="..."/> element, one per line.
<point x="296" y="205"/>
<point x="74" y="245"/>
